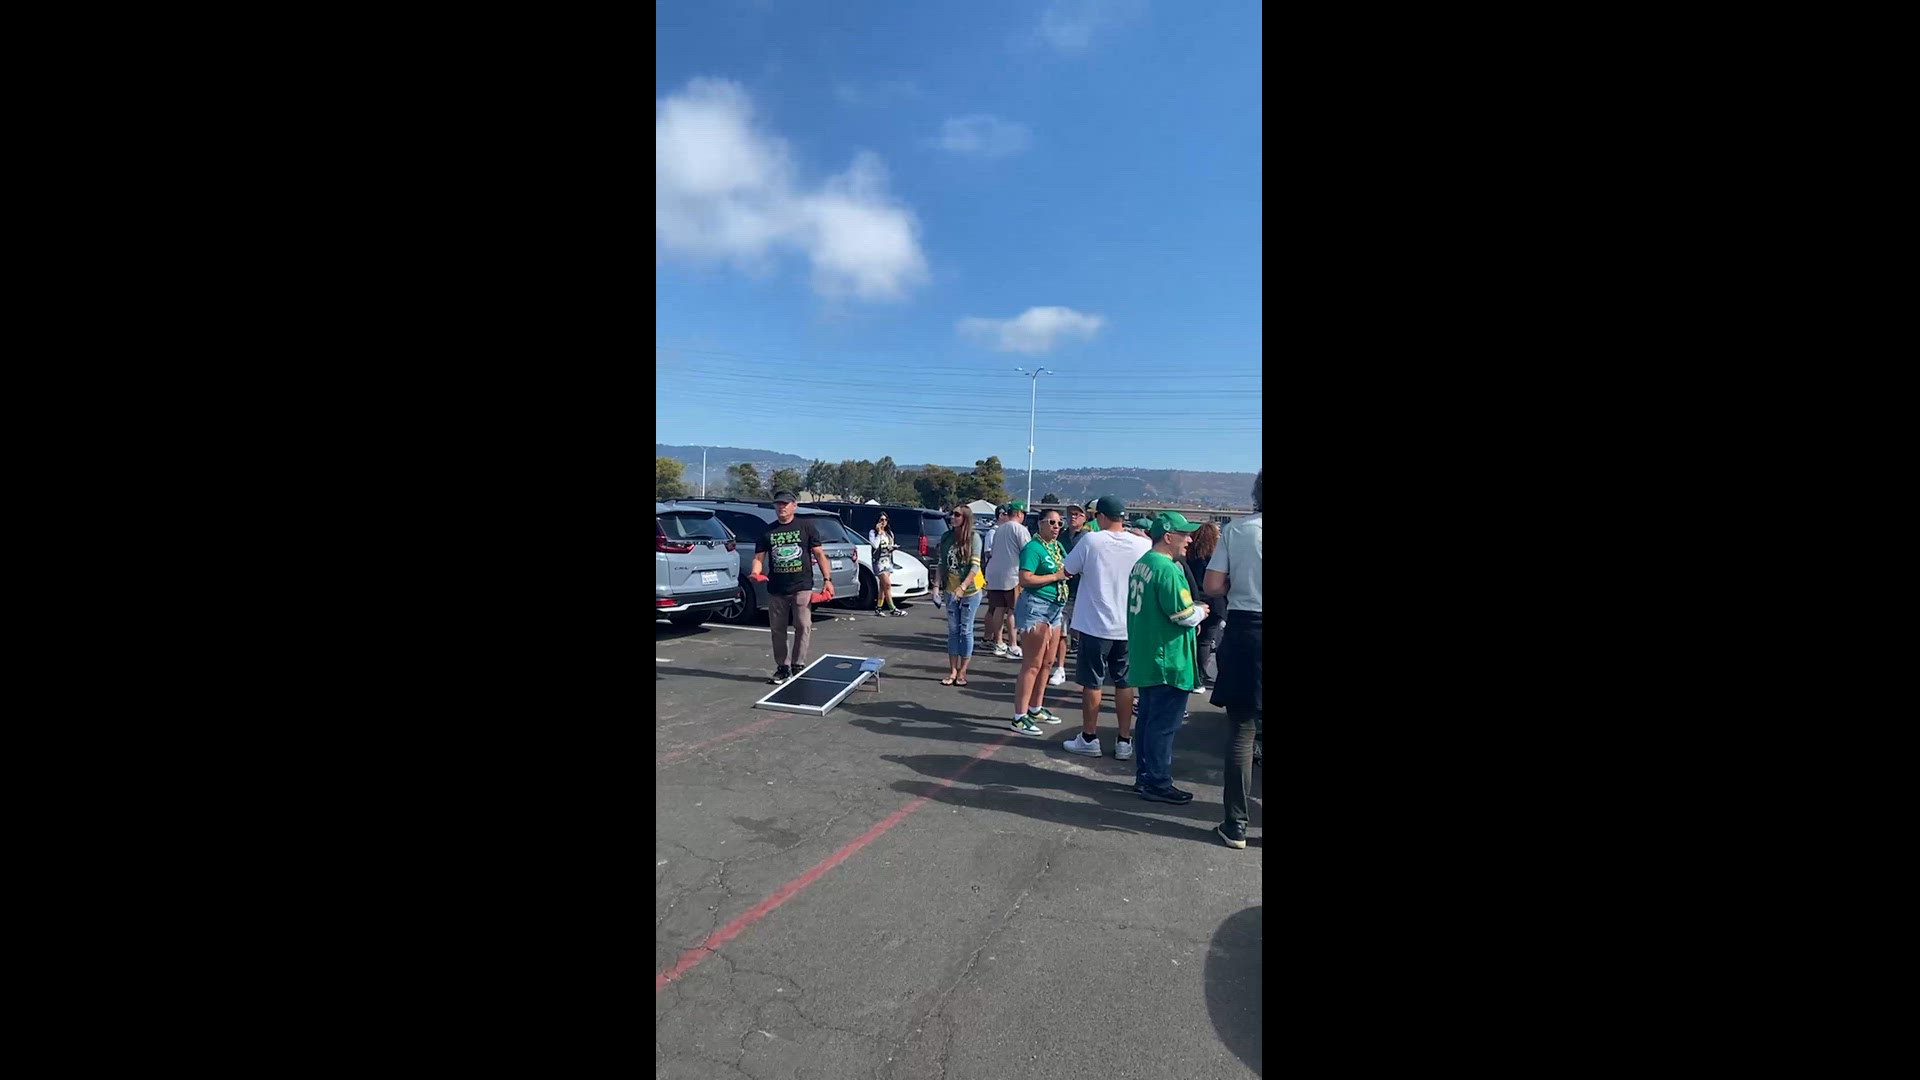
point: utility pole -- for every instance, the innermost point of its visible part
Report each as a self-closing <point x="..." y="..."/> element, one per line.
<point x="1033" y="399"/>
<point x="703" y="472"/>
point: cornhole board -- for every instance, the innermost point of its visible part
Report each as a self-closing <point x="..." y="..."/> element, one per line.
<point x="823" y="684"/>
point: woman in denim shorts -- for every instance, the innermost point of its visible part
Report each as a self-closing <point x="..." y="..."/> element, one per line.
<point x="1038" y="617"/>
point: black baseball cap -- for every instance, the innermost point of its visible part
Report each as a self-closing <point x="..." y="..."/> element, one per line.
<point x="784" y="497"/>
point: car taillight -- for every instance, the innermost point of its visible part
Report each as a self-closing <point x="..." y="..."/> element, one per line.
<point x="923" y="543"/>
<point x="661" y="543"/>
<point x="668" y="602"/>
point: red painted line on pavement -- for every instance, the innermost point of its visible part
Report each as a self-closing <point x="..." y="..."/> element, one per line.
<point x="786" y="892"/>
<point x="675" y="755"/>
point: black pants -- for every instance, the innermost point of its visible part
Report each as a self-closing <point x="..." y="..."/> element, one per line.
<point x="1243" y="727"/>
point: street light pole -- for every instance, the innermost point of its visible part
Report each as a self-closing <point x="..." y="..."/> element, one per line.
<point x="703" y="472"/>
<point x="1033" y="398"/>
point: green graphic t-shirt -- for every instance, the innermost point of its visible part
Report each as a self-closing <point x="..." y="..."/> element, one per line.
<point x="1044" y="557"/>
<point x="789" y="550"/>
<point x="1160" y="652"/>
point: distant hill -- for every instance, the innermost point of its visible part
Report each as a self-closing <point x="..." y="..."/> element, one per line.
<point x="724" y="456"/>
<point x="1223" y="490"/>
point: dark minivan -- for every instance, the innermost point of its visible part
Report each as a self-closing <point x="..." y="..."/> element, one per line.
<point x="916" y="529"/>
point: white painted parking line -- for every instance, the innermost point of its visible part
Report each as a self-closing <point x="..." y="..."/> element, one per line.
<point x="730" y="626"/>
<point x="661" y="660"/>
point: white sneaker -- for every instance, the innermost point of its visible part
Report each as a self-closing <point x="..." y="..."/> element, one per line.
<point x="1080" y="744"/>
<point x="999" y="648"/>
<point x="1123" y="750"/>
<point x="1059" y="677"/>
<point x="1014" y="653"/>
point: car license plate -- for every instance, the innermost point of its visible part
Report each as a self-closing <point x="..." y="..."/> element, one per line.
<point x="839" y="564"/>
<point x="709" y="577"/>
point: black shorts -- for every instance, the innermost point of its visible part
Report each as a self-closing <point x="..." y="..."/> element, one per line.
<point x="1101" y="660"/>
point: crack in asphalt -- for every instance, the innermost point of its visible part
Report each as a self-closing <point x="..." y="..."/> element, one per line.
<point x="1006" y="920"/>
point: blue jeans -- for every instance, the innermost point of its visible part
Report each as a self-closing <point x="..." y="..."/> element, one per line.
<point x="1159" y="713"/>
<point x="960" y="613"/>
<point x="1031" y="610"/>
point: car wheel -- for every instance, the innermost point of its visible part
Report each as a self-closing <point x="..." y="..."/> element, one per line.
<point x="740" y="610"/>
<point x="869" y="592"/>
<point x="691" y="618"/>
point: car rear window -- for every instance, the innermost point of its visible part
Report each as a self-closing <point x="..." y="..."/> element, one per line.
<point x="934" y="526"/>
<point x="851" y="536"/>
<point x="693" y="527"/>
<point x="829" y="527"/>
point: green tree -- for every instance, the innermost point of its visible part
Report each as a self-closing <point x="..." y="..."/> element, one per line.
<point x="856" y="480"/>
<point x="743" y="481"/>
<point x="885" y="472"/>
<point x="668" y="479"/>
<point x="988" y="481"/>
<point x="1049" y="497"/>
<point x="822" y="478"/>
<point x="899" y="490"/>
<point x="785" y="480"/>
<point x="938" y="487"/>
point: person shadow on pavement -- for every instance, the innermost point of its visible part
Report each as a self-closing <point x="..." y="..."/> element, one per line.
<point x="997" y="786"/>
<point x="1233" y="985"/>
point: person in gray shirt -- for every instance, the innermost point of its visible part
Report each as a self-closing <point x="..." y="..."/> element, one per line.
<point x="1235" y="573"/>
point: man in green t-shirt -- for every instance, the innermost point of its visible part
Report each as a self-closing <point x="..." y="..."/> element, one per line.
<point x="1162" y="647"/>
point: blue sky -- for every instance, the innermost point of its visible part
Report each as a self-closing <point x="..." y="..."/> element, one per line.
<point x="867" y="214"/>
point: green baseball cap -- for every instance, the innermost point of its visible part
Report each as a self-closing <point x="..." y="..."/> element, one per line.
<point x="1017" y="504"/>
<point x="1111" y="506"/>
<point x="1168" y="521"/>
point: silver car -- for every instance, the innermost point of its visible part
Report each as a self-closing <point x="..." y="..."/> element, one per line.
<point x="696" y="570"/>
<point x="747" y="520"/>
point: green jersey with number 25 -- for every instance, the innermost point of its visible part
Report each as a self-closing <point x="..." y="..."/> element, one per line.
<point x="1160" y="652"/>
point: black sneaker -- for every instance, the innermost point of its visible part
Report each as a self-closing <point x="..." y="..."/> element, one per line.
<point x="1172" y="795"/>
<point x="780" y="675"/>
<point x="1231" y="837"/>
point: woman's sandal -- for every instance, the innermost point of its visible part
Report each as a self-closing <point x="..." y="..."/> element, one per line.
<point x="948" y="681"/>
<point x="960" y="682"/>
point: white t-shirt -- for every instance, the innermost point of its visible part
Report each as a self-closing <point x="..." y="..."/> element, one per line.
<point x="1238" y="555"/>
<point x="1005" y="573"/>
<point x="1104" y="559"/>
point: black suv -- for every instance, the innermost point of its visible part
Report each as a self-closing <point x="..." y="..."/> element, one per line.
<point x="916" y="529"/>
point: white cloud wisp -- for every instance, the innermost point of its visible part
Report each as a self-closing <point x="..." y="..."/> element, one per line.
<point x="983" y="136"/>
<point x="726" y="189"/>
<point x="1035" y="330"/>
<point x="1070" y="26"/>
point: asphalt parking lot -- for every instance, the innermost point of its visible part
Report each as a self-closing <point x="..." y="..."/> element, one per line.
<point x="906" y="889"/>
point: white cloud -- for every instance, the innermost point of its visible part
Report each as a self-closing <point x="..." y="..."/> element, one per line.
<point x="727" y="189"/>
<point x="1035" y="330"/>
<point x="1070" y="25"/>
<point x="984" y="136"/>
